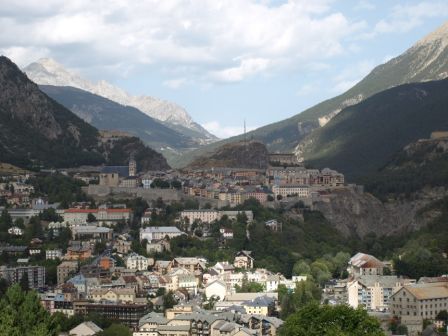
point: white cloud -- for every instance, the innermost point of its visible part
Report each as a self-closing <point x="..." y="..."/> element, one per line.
<point x="246" y="68"/>
<point x="224" y="132"/>
<point x="404" y="18"/>
<point x="209" y="40"/>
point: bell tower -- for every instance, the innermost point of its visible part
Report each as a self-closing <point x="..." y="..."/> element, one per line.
<point x="132" y="166"/>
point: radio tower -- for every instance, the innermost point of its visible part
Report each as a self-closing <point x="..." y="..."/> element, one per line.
<point x="245" y="138"/>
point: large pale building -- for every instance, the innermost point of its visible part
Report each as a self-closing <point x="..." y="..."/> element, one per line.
<point x="159" y="232"/>
<point x="102" y="215"/>
<point x="115" y="295"/>
<point x="205" y="216"/>
<point x="35" y="274"/>
<point x="373" y="292"/>
<point x="301" y="191"/>
<point x="420" y="300"/>
<point x="208" y="216"/>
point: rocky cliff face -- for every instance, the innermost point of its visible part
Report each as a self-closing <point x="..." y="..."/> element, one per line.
<point x="252" y="154"/>
<point x="36" y="131"/>
<point x="359" y="213"/>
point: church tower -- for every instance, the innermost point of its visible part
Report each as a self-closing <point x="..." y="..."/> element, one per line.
<point x="132" y="166"/>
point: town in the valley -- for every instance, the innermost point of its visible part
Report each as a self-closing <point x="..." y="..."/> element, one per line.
<point x="164" y="253"/>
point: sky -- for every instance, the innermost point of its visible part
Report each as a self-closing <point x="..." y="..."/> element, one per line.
<point x="225" y="61"/>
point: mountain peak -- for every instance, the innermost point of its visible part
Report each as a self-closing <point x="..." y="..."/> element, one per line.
<point x="50" y="63"/>
<point x="47" y="71"/>
<point x="440" y="34"/>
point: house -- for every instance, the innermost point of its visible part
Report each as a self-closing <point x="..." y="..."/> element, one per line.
<point x="148" y="324"/>
<point x="216" y="289"/>
<point x="87" y="328"/>
<point x="138" y="262"/>
<point x="79" y="281"/>
<point x="53" y="254"/>
<point x="122" y="246"/>
<point x="240" y="298"/>
<point x="158" y="246"/>
<point x="15" y="231"/>
<point x="194" y="265"/>
<point x="365" y="264"/>
<point x="162" y="266"/>
<point x="78" y="253"/>
<point x="261" y="325"/>
<point x="223" y="267"/>
<point x="188" y="282"/>
<point x="262" y="305"/>
<point x="273" y="225"/>
<point x="226" y="233"/>
<point x="243" y="259"/>
<point x="113" y="295"/>
<point x="65" y="269"/>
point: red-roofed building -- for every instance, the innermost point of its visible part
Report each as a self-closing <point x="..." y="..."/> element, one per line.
<point x="365" y="264"/>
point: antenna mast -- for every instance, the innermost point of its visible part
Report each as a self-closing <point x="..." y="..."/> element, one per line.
<point x="245" y="137"/>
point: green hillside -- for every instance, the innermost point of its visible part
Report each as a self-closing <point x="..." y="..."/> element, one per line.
<point x="364" y="137"/>
<point x="426" y="60"/>
<point x="105" y="114"/>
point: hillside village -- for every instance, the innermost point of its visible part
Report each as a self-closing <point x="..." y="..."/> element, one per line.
<point x="122" y="215"/>
<point x="103" y="256"/>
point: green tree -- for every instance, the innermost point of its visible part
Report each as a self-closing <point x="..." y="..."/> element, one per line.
<point x="91" y="218"/>
<point x="24" y="282"/>
<point x="22" y="314"/>
<point x="34" y="228"/>
<point x="116" y="330"/>
<point x="320" y="272"/>
<point x="168" y="300"/>
<point x="341" y="320"/>
<point x="5" y="221"/>
<point x="301" y="268"/>
<point x="50" y="215"/>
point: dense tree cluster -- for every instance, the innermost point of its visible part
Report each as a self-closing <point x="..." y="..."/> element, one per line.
<point x="22" y="314"/>
<point x="341" y="320"/>
<point x="59" y="188"/>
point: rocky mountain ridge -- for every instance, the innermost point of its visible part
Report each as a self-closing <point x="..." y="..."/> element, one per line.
<point x="106" y="114"/>
<point x="426" y="60"/>
<point x="37" y="132"/>
<point x="47" y="71"/>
